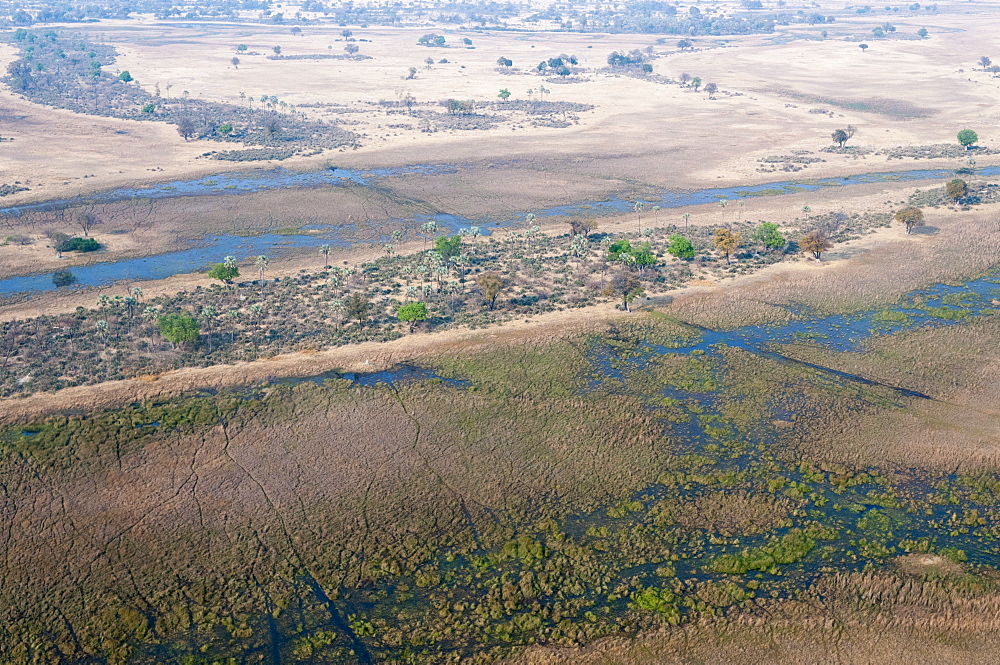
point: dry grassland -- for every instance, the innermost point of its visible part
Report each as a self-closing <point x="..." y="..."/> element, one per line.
<point x="651" y="132"/>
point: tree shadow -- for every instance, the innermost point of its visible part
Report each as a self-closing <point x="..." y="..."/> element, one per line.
<point x="925" y="231"/>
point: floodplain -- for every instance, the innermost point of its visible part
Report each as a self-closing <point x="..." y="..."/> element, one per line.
<point x="358" y="362"/>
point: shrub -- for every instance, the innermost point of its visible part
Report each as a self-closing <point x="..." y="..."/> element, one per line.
<point x="63" y="277"/>
<point x="78" y="245"/>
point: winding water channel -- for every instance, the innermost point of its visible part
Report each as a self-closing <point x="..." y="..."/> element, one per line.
<point x="211" y="248"/>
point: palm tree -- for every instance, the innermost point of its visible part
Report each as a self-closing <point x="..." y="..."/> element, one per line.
<point x="427" y="229"/>
<point x="208" y="314"/>
<point x="638" y="206"/>
<point x="325" y="251"/>
<point x="230" y="263"/>
<point x="686" y="216"/>
<point x="261" y="263"/>
<point x="233" y="317"/>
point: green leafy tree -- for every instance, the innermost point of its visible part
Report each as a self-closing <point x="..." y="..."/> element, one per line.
<point x="178" y="328"/>
<point x="911" y="217"/>
<point x="768" y="235"/>
<point x="696" y="83"/>
<point x="839" y="137"/>
<point x="863" y="47"/>
<point x="224" y="273"/>
<point x="680" y="247"/>
<point x="448" y="247"/>
<point x="504" y="94"/>
<point x="642" y="256"/>
<point x="412" y="313"/>
<point x="125" y="77"/>
<point x="922" y="33"/>
<point x="967" y="138"/>
<point x="225" y="129"/>
<point x="242" y="48"/>
<point x="623" y="252"/>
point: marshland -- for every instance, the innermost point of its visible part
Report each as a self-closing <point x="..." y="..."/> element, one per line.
<point x="478" y="333"/>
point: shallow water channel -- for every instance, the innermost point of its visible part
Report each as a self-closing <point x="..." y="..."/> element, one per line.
<point x="212" y="248"/>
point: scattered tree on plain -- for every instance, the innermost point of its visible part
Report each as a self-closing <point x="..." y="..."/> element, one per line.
<point x="223" y="272"/>
<point x="493" y="284"/>
<point x="841" y="136"/>
<point x="412" y="313"/>
<point x="580" y="227"/>
<point x="911" y="217"/>
<point x="625" y="286"/>
<point x="768" y="235"/>
<point x="956" y="189"/>
<point x="178" y="328"/>
<point x="680" y="247"/>
<point x="815" y="243"/>
<point x="711" y="89"/>
<point x="967" y="138"/>
<point x="448" y="248"/>
<point x="185" y="127"/>
<point x="357" y="306"/>
<point x="727" y="242"/>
